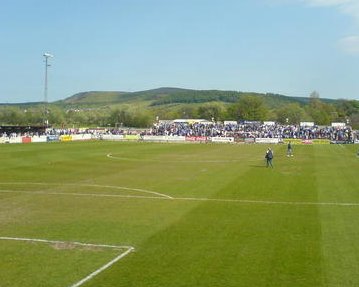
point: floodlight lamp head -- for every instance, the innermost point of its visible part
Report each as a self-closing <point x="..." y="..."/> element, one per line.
<point x="47" y="55"/>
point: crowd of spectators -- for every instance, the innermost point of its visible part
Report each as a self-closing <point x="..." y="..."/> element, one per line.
<point x="202" y="128"/>
<point x="16" y="132"/>
<point x="251" y="130"/>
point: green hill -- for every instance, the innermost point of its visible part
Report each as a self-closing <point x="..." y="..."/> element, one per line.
<point x="168" y="96"/>
<point x="141" y="108"/>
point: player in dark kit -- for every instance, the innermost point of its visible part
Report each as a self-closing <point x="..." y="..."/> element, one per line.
<point x="289" y="149"/>
<point x="269" y="157"/>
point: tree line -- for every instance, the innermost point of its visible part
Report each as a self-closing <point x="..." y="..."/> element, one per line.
<point x="218" y="107"/>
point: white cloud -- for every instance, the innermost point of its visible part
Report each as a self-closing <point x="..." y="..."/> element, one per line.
<point x="350" y="45"/>
<point x="328" y="2"/>
<point x="350" y="7"/>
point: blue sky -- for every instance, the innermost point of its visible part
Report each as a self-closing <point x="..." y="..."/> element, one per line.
<point x="291" y="47"/>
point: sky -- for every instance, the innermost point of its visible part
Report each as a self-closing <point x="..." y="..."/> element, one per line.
<point x="289" y="47"/>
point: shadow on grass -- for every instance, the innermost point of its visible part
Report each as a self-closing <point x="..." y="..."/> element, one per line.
<point x="258" y="166"/>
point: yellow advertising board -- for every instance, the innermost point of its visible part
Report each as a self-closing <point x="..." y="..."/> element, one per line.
<point x="306" y="141"/>
<point x="132" y="137"/>
<point x="66" y="138"/>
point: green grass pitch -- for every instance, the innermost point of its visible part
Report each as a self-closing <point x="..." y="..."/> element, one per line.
<point x="196" y="215"/>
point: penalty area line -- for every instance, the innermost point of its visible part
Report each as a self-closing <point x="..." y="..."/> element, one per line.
<point x="268" y="202"/>
<point x="89" y="185"/>
<point x="97" y="271"/>
<point x="85" y="194"/>
<point x="229" y="200"/>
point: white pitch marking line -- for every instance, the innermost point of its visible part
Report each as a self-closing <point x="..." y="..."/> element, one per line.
<point x="83" y="194"/>
<point x="96" y="272"/>
<point x="268" y="202"/>
<point x="243" y="201"/>
<point x="93" y="274"/>
<point x="177" y="161"/>
<point x="88" y="185"/>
